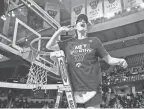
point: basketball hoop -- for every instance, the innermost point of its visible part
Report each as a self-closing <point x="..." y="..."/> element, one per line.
<point x="38" y="72"/>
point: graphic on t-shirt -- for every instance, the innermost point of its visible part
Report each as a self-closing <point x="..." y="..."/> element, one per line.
<point x="79" y="52"/>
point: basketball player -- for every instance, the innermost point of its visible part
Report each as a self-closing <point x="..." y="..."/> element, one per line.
<point x="82" y="55"/>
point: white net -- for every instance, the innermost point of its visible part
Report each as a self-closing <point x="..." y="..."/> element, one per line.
<point x="37" y="76"/>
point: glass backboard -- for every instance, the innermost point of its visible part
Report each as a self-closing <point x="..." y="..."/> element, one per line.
<point x="22" y="37"/>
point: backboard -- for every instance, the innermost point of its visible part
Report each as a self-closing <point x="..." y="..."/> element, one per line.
<point x="22" y="37"/>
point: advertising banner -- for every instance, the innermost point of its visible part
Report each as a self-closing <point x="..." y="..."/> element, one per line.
<point x="112" y="6"/>
<point x="54" y="11"/>
<point x="132" y="3"/>
<point x="94" y="9"/>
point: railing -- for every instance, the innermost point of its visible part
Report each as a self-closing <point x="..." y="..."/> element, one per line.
<point x="25" y="86"/>
<point x="5" y="40"/>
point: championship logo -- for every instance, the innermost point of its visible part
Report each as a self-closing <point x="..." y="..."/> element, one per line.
<point x="94" y="4"/>
<point x="52" y="13"/>
<point x="111" y="1"/>
<point x="78" y="9"/>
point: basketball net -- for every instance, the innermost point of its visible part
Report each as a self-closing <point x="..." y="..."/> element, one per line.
<point x="37" y="76"/>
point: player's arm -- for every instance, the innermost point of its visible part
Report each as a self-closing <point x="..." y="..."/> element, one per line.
<point x="109" y="59"/>
<point x="52" y="43"/>
<point x="115" y="61"/>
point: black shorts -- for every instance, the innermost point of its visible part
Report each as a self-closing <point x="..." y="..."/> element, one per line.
<point x="96" y="100"/>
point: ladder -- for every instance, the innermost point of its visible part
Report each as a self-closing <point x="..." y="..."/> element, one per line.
<point x="66" y="82"/>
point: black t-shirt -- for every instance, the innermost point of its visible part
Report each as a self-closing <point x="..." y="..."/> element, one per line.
<point x="82" y="59"/>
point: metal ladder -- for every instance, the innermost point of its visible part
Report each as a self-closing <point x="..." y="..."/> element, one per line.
<point x="66" y="82"/>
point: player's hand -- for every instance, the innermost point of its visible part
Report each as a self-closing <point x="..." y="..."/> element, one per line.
<point x="66" y="28"/>
<point x="123" y="63"/>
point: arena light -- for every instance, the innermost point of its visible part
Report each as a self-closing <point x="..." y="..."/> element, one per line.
<point x="61" y="0"/>
<point x="29" y="4"/>
<point x="3" y="17"/>
<point x="128" y="9"/>
<point x="108" y="83"/>
<point x="124" y="79"/>
<point x="13" y="14"/>
<point x="26" y="39"/>
<point x="142" y="5"/>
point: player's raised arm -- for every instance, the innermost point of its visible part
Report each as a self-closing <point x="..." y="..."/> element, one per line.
<point x="52" y="43"/>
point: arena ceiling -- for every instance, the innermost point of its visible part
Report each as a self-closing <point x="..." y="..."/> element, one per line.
<point x="132" y="34"/>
